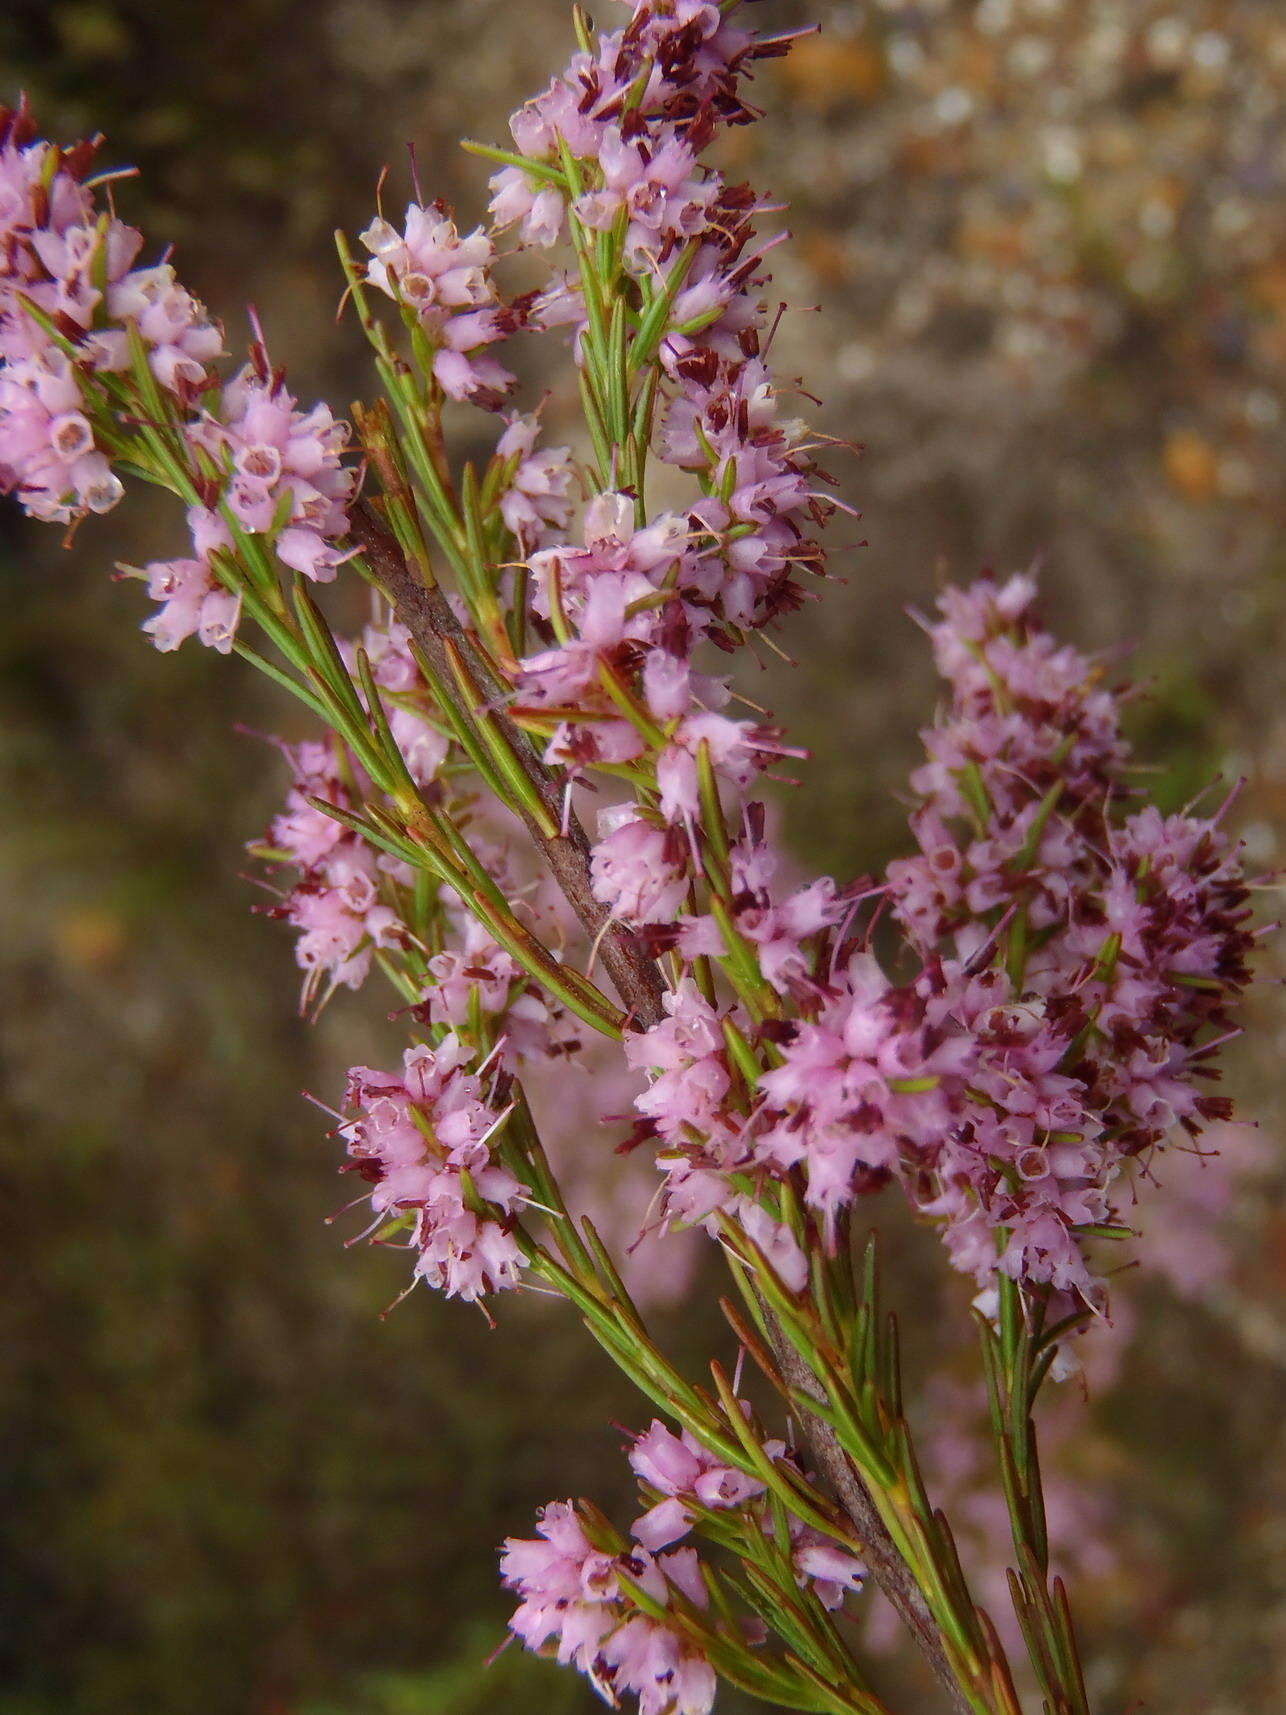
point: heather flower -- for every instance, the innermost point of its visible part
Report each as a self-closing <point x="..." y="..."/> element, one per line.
<point x="566" y="1587"/>
<point x="858" y="1090"/>
<point x="774" y="1240"/>
<point x="1068" y="960"/>
<point x="1086" y="1035"/>
<point x="662" y="196"/>
<point x="81" y="277"/>
<point x="422" y="1140"/>
<point x="780" y="930"/>
<point x="536" y="503"/>
<point x="64" y="259"/>
<point x="48" y="455"/>
<point x="661" y="1669"/>
<point x="738" y="751"/>
<point x="575" y="1604"/>
<point x="832" y="1573"/>
<point x="705" y="1139"/>
<point x="677" y="62"/>
<point x="639" y="870"/>
<point x="193" y="604"/>
<point x="519" y="198"/>
<point x="279" y="469"/>
<point x="1027" y="763"/>
<point x="341" y="922"/>
<point x="571" y="673"/>
<point x="428" y="265"/>
<point x="613" y="546"/>
<point x="686" y="1054"/>
<point x="339" y="902"/>
<point x="444" y="280"/>
<point x="476" y="978"/>
<point x="181" y="341"/>
<point x="40" y="189"/>
<point x="723" y="421"/>
<point x="680" y="1470"/>
<point x="576" y="1596"/>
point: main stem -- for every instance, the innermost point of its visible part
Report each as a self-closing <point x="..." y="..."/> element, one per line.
<point x="886" y="1563"/>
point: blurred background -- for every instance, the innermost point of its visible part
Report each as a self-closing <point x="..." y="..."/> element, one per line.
<point x="1047" y="247"/>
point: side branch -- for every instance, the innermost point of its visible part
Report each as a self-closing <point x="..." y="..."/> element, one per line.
<point x="428" y="616"/>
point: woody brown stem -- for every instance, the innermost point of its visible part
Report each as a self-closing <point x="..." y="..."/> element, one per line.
<point x="883" y="1559"/>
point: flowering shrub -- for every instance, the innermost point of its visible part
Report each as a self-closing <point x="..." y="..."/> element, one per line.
<point x="1010" y="1027"/>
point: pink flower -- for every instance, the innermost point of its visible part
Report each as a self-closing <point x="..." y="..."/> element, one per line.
<point x="414" y="1140"/>
<point x="832" y="1572"/>
<point x="574" y="1597"/>
<point x="182" y="342"/>
<point x="537" y="501"/>
<point x="686" y="1054"/>
<point x="680" y="1470"/>
<point x="639" y="871"/>
<point x="339" y="902"/>
<point x="428" y="265"/>
<point x="522" y="200"/>
<point x="446" y="281"/>
<point x="665" y="198"/>
<point x="194" y="604"/>
<point x="566" y="1587"/>
<point x="48" y="455"/>
<point x="281" y="464"/>
<point x="1086" y="1052"/>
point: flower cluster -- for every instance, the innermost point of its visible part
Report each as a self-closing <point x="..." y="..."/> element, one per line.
<point x="352" y="899"/>
<point x="77" y="320"/>
<point x="193" y="603"/>
<point x="626" y="611"/>
<point x="575" y="1602"/>
<point x="422" y="1140"/>
<point x="576" y="1580"/>
<point x="444" y="282"/>
<point x="1018" y="777"/>
<point x="622" y="671"/>
<point x="339" y="904"/>
<point x="1077" y="968"/>
<point x="725" y="424"/>
<point x="637" y="101"/>
<point x="1065" y="959"/>
<point x="689" y="1481"/>
<point x="690" y="1107"/>
<point x="261" y="467"/>
<point x="71" y="302"/>
<point x="274" y="470"/>
<point x="535" y="499"/>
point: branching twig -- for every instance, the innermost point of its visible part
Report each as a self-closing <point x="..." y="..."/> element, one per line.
<point x="427" y="615"/>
